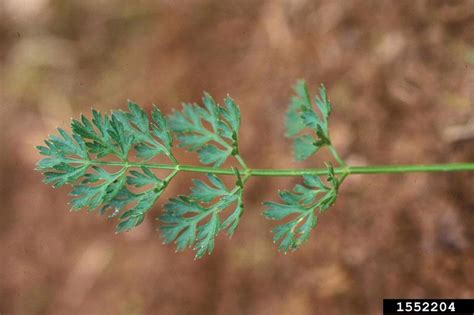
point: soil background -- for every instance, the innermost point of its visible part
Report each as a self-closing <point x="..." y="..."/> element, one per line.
<point x="400" y="75"/>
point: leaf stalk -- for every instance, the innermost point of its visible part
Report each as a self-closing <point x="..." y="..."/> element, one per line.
<point x="352" y="170"/>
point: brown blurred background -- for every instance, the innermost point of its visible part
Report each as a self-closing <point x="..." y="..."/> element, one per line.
<point x="400" y="74"/>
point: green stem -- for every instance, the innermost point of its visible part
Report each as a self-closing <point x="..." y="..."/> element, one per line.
<point x="173" y="158"/>
<point x="336" y="155"/>
<point x="382" y="169"/>
<point x="172" y="175"/>
<point x="242" y="162"/>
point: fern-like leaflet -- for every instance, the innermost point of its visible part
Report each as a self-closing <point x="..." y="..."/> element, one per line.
<point x="216" y="145"/>
<point x="301" y="205"/>
<point x="311" y="132"/>
<point x="183" y="216"/>
<point x="79" y="160"/>
<point x="302" y="116"/>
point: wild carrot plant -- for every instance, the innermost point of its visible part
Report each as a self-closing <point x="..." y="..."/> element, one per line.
<point x="109" y="162"/>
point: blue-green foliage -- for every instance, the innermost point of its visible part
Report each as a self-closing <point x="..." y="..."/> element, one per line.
<point x="107" y="161"/>
<point x="77" y="159"/>
<point x="298" y="209"/>
<point x="57" y="166"/>
<point x="211" y="130"/>
<point x="151" y="139"/>
<point x="195" y="220"/>
<point x="303" y="116"/>
<point x="96" y="159"/>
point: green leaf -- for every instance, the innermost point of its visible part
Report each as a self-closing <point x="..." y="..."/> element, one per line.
<point x="147" y="152"/>
<point x="195" y="221"/>
<point x="210" y="154"/>
<point x="122" y="139"/>
<point x="150" y="138"/>
<point x="97" y="132"/>
<point x="138" y="117"/>
<point x="323" y="103"/>
<point x="213" y="110"/>
<point x="206" y="236"/>
<point x="299" y="208"/>
<point x="277" y="211"/>
<point x="314" y="181"/>
<point x="144" y="178"/>
<point x="61" y="150"/>
<point x="311" y="119"/>
<point x="194" y="142"/>
<point x="302" y="116"/>
<point x="104" y="159"/>
<point x="302" y="92"/>
<point x="232" y="222"/>
<point x="77" y="158"/>
<point x="214" y="144"/>
<point x="136" y="215"/>
<point x="203" y="192"/>
<point x="294" y="124"/>
<point x="232" y="113"/>
<point x="304" y="147"/>
<point x="161" y="129"/>
<point x="123" y="198"/>
<point x="130" y="222"/>
<point x="61" y="174"/>
<point x="91" y="195"/>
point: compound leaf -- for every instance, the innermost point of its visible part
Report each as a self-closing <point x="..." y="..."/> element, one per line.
<point x="302" y="116"/>
<point x="299" y="207"/>
<point x="195" y="221"/>
<point x="77" y="158"/>
<point x="104" y="159"/>
<point x="216" y="144"/>
<point x="151" y="138"/>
